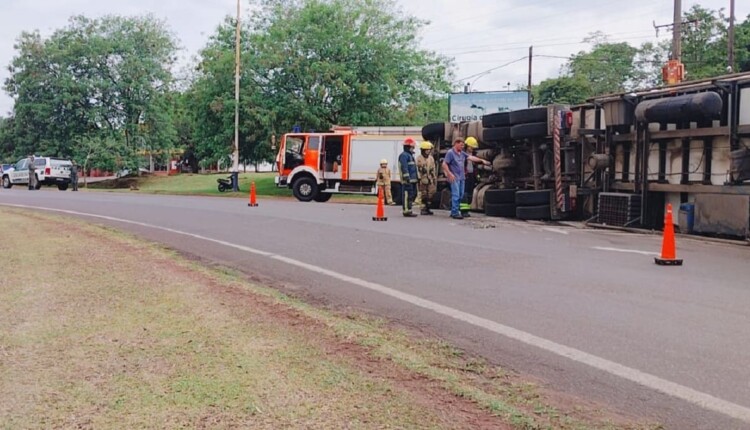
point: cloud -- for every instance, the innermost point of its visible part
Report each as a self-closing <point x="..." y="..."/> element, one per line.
<point x="480" y="34"/>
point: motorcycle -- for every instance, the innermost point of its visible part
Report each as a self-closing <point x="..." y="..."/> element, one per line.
<point x="225" y="184"/>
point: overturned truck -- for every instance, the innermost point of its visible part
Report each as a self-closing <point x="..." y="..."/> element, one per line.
<point x="619" y="159"/>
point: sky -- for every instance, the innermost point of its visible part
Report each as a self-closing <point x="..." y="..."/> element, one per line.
<point x="488" y="39"/>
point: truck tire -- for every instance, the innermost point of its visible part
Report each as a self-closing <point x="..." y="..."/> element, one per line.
<point x="434" y="131"/>
<point x="525" y="116"/>
<point x="500" y="196"/>
<point x="499" y="119"/>
<point x="496" y="134"/>
<point x="533" y="198"/>
<point x="528" y="131"/>
<point x="323" y="197"/>
<point x="37" y="184"/>
<point x="6" y="182"/>
<point x="533" y="212"/>
<point x="305" y="189"/>
<point x="62" y="187"/>
<point x="396" y="194"/>
<point x="505" y="210"/>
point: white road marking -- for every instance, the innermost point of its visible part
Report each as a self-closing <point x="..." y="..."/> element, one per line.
<point x="629" y="251"/>
<point x="688" y="394"/>
<point x="556" y="230"/>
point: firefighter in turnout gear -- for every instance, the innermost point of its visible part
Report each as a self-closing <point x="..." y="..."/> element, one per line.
<point x="427" y="176"/>
<point x="383" y="180"/>
<point x="408" y="168"/>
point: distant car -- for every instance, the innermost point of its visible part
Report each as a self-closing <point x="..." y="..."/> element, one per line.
<point x="48" y="170"/>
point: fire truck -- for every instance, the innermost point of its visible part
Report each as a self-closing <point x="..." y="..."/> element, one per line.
<point x="343" y="161"/>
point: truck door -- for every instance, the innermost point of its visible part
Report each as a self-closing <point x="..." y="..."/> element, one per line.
<point x="293" y="153"/>
<point x="20" y="174"/>
<point x="333" y="157"/>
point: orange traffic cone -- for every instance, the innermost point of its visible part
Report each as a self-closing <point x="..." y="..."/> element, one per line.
<point x="252" y="203"/>
<point x="668" y="251"/>
<point x="380" y="212"/>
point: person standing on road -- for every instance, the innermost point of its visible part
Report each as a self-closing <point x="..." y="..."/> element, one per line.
<point x="74" y="175"/>
<point x="383" y="180"/>
<point x="32" y="173"/>
<point x="427" y="176"/>
<point x="408" y="168"/>
<point x="453" y="166"/>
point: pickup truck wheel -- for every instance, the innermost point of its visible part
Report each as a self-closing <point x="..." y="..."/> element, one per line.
<point x="6" y="182"/>
<point x="323" y="197"/>
<point x="533" y="198"/>
<point x="62" y="187"/>
<point x="533" y="212"/>
<point x="505" y="210"/>
<point x="37" y="184"/>
<point x="305" y="189"/>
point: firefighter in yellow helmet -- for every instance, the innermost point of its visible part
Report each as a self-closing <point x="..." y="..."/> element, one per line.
<point x="383" y="180"/>
<point x="427" y="172"/>
<point x="471" y="175"/>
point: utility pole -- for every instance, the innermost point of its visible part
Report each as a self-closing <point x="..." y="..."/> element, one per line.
<point x="531" y="56"/>
<point x="677" y="31"/>
<point x="236" y="154"/>
<point x="730" y="48"/>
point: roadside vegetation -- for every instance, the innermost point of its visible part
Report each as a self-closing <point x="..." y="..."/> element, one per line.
<point x="158" y="341"/>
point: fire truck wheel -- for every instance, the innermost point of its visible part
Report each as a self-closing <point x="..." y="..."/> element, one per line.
<point x="396" y="194"/>
<point x="528" y="131"/>
<point x="533" y="198"/>
<point x="533" y="212"/>
<point x="525" y="116"/>
<point x="505" y="210"/>
<point x="323" y="197"/>
<point x="305" y="189"/>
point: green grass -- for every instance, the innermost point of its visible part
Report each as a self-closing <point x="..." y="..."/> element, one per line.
<point x="196" y="184"/>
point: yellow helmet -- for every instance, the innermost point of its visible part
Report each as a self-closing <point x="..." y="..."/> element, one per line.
<point x="471" y="142"/>
<point x="425" y="145"/>
<point x="383" y="161"/>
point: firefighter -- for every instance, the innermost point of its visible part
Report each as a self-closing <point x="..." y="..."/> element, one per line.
<point x="427" y="176"/>
<point x="32" y="175"/>
<point x="383" y="180"/>
<point x="408" y="168"/>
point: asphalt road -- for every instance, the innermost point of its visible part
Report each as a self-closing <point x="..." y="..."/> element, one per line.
<point x="586" y="312"/>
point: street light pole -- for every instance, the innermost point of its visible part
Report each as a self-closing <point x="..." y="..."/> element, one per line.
<point x="236" y="153"/>
<point x="731" y="37"/>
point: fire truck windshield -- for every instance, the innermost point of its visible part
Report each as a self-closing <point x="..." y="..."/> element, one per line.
<point x="293" y="154"/>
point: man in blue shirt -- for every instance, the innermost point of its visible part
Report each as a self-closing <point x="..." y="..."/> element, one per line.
<point x="453" y="167"/>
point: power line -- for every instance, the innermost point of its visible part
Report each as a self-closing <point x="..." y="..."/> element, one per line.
<point x="492" y="69"/>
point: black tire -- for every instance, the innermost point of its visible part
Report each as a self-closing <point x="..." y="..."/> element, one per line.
<point x="62" y="187"/>
<point x="6" y="182"/>
<point x="305" y="189"/>
<point x="533" y="212"/>
<point x="37" y="184"/>
<point x="533" y="198"/>
<point x="505" y="210"/>
<point x="528" y="131"/>
<point x="222" y="187"/>
<point x="499" y="119"/>
<point x="496" y="134"/>
<point x="436" y="130"/>
<point x="494" y="197"/>
<point x="396" y="194"/>
<point x="323" y="197"/>
<point x="525" y="116"/>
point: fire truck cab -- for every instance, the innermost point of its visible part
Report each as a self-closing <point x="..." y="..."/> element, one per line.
<point x="343" y="161"/>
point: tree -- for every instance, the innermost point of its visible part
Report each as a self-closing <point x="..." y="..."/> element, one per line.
<point x="106" y="78"/>
<point x="742" y="46"/>
<point x="704" y="43"/>
<point x="315" y="63"/>
<point x="565" y="89"/>
<point x="607" y="68"/>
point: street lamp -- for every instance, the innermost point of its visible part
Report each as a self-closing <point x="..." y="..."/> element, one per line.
<point x="471" y="85"/>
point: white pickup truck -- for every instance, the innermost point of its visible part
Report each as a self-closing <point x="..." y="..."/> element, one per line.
<point x="48" y="171"/>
